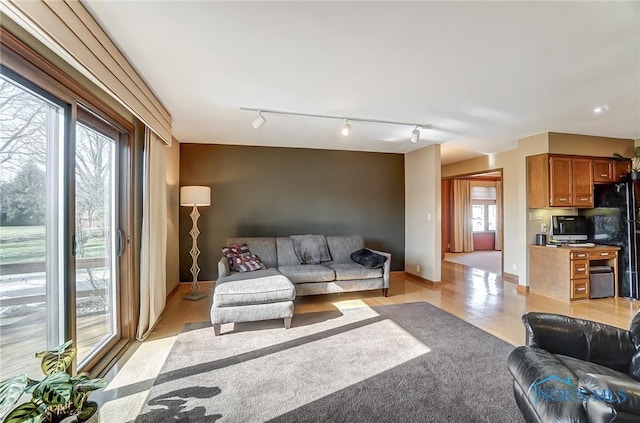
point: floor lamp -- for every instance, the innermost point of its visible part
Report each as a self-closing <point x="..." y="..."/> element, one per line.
<point x="195" y="196"/>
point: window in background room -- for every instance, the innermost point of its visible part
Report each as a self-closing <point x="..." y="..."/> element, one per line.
<point x="484" y="212"/>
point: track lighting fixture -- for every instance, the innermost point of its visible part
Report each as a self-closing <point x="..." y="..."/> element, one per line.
<point x="260" y="120"/>
<point x="415" y="135"/>
<point x="346" y="128"/>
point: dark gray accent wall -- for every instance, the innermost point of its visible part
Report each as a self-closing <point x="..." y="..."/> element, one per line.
<point x="268" y="191"/>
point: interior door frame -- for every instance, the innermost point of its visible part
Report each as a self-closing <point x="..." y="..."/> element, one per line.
<point x="444" y="246"/>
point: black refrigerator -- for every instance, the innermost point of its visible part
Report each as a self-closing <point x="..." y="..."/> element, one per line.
<point x="615" y="220"/>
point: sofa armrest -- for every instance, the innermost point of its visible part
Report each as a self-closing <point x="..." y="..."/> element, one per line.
<point x="386" y="270"/>
<point x="582" y="339"/>
<point x="223" y="267"/>
<point x="608" y="398"/>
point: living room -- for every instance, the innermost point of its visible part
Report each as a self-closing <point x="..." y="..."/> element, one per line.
<point x="426" y="91"/>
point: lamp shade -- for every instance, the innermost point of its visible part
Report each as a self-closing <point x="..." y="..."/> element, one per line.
<point x="195" y="196"/>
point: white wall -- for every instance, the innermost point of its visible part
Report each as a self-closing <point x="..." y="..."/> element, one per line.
<point x="422" y="213"/>
<point x="512" y="164"/>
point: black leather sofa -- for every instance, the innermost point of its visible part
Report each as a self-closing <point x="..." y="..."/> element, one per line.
<point x="574" y="370"/>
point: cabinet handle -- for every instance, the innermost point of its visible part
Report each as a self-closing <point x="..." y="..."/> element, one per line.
<point x="581" y="269"/>
<point x="562" y="199"/>
<point x="584" y="199"/>
<point x="604" y="175"/>
<point x="581" y="289"/>
<point x="604" y="254"/>
<point x="581" y="255"/>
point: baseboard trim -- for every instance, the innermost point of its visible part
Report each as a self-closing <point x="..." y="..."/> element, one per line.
<point x="522" y="289"/>
<point x="510" y="277"/>
<point x="417" y="278"/>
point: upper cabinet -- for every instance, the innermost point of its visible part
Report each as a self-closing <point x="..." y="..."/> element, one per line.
<point x="621" y="170"/>
<point x="559" y="181"/>
<point x="602" y="170"/>
<point x="607" y="171"/>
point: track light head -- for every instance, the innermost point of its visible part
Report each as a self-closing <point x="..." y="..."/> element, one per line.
<point x="260" y="120"/>
<point x="415" y="135"/>
<point x="346" y="129"/>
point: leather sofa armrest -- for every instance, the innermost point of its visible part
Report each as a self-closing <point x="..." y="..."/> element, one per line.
<point x="386" y="270"/>
<point x="609" y="398"/>
<point x="582" y="339"/>
<point x="223" y="267"/>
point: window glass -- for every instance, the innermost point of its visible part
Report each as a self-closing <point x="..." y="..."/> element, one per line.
<point x="31" y="266"/>
<point x="478" y="218"/>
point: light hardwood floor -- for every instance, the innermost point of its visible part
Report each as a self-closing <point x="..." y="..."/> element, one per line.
<point x="478" y="297"/>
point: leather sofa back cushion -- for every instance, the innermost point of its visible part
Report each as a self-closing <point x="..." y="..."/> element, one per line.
<point x="634" y="330"/>
<point x="582" y="339"/>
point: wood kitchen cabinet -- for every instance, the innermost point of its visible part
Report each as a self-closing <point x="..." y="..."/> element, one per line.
<point x="563" y="272"/>
<point x="621" y="170"/>
<point x="608" y="171"/>
<point x="602" y="170"/>
<point x="559" y="181"/>
<point x="582" y="182"/>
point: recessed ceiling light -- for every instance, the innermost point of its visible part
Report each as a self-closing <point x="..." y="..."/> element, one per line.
<point x="599" y="109"/>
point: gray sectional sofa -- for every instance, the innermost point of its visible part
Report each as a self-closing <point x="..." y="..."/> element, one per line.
<point x="269" y="293"/>
<point x="341" y="274"/>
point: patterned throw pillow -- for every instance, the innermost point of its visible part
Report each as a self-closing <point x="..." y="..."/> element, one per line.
<point x="247" y="263"/>
<point x="234" y="251"/>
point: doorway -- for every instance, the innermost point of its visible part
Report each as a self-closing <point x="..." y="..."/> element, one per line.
<point x="472" y="220"/>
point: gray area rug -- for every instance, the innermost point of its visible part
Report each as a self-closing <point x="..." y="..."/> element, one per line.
<point x="407" y="362"/>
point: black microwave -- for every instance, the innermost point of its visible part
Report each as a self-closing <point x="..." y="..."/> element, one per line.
<point x="569" y="228"/>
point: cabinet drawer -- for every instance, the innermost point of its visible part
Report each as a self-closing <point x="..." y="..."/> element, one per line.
<point x="602" y="254"/>
<point x="579" y="289"/>
<point x="579" y="269"/>
<point x="579" y="255"/>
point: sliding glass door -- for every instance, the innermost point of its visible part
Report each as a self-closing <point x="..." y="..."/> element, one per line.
<point x="31" y="225"/>
<point x="61" y="232"/>
<point x="98" y="241"/>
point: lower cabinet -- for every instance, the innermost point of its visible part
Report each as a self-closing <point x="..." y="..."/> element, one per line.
<point x="563" y="272"/>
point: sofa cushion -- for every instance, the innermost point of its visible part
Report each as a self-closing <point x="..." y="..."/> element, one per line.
<point x="352" y="271"/>
<point x="341" y="247"/>
<point x="260" y="290"/>
<point x="286" y="254"/>
<point x="302" y="273"/>
<point x="581" y="367"/>
<point x="368" y="258"/>
<point x="263" y="247"/>
<point x="235" y="276"/>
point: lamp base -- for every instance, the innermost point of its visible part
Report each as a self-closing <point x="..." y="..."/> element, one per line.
<point x="194" y="297"/>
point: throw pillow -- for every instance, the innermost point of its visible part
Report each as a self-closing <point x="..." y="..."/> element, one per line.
<point x="247" y="263"/>
<point x="234" y="251"/>
<point x="368" y="258"/>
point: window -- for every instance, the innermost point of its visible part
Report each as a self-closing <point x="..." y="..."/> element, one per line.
<point x="483" y="209"/>
<point x="65" y="176"/>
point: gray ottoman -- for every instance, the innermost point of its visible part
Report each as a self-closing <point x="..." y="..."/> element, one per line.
<point x="250" y="296"/>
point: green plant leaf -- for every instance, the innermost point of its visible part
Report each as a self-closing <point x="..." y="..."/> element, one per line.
<point x="28" y="412"/>
<point x="82" y="386"/>
<point x="54" y="389"/>
<point x="10" y="392"/>
<point x="58" y="359"/>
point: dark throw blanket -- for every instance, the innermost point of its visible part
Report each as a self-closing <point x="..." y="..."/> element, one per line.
<point x="311" y="249"/>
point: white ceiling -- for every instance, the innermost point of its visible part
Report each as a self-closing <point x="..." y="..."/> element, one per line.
<point x="483" y="73"/>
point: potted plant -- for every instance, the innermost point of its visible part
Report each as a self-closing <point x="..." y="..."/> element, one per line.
<point x="57" y="398"/>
